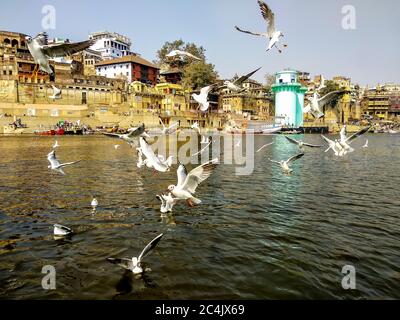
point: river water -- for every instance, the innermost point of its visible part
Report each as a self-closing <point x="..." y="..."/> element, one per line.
<point x="259" y="236"/>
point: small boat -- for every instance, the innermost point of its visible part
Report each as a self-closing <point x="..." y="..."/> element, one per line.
<point x="51" y="132"/>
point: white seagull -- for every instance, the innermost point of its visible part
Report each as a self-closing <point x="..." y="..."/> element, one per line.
<point x="366" y="144"/>
<point x="169" y="130"/>
<point x="343" y="140"/>
<point x="56" y="93"/>
<point x="116" y="146"/>
<point x="316" y="103"/>
<point x="188" y="183"/>
<point x="180" y="54"/>
<point x="60" y="230"/>
<point x="285" y="164"/>
<point x="56" y="145"/>
<point x="134" y="264"/>
<point x="273" y="36"/>
<point x="195" y="126"/>
<point x="41" y="51"/>
<point x="332" y="145"/>
<point x="94" y="203"/>
<point x="265" y="145"/>
<point x="55" y="164"/>
<point x="128" y="137"/>
<point x="202" y="98"/>
<point x="302" y="144"/>
<point x="153" y="161"/>
<point x="236" y="85"/>
<point x="167" y="202"/>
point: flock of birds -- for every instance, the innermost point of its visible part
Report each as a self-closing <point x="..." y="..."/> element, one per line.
<point x="187" y="182"/>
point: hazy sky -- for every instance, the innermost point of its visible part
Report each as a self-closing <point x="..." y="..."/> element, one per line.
<point x="370" y="54"/>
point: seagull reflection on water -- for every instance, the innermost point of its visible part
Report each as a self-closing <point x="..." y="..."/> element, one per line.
<point x="127" y="283"/>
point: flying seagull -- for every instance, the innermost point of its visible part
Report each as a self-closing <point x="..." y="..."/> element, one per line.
<point x="167" y="202"/>
<point x="201" y="98"/>
<point x="316" y="103"/>
<point x="134" y="264"/>
<point x="128" y="137"/>
<point x="55" y="164"/>
<point x="285" y="164"/>
<point x="209" y="142"/>
<point x="333" y="146"/>
<point x="236" y="85"/>
<point x="60" y="230"/>
<point x="195" y="126"/>
<point x="302" y="144"/>
<point x="56" y="93"/>
<point x="345" y="141"/>
<point x="56" y="145"/>
<point x="41" y="51"/>
<point x="153" y="161"/>
<point x="116" y="146"/>
<point x="169" y="130"/>
<point x="273" y="36"/>
<point x="188" y="183"/>
<point x="366" y="144"/>
<point x="180" y="54"/>
<point x="265" y="145"/>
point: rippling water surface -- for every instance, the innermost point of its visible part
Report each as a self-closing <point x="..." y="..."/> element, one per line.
<point x="262" y="236"/>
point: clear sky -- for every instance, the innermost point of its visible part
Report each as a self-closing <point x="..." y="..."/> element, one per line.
<point x="370" y="54"/>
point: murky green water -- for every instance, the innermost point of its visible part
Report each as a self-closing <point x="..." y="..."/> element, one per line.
<point x="263" y="236"/>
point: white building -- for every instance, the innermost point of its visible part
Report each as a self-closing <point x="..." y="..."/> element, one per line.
<point x="111" y="45"/>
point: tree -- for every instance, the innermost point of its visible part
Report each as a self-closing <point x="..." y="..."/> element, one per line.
<point x="269" y="80"/>
<point x="329" y="87"/>
<point x="196" y="74"/>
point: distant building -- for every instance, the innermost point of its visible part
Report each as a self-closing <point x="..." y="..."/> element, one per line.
<point x="131" y="68"/>
<point x="304" y="78"/>
<point x="382" y="102"/>
<point x="342" y="82"/>
<point x="111" y="45"/>
<point x="173" y="75"/>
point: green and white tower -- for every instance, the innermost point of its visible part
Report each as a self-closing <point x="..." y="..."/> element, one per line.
<point x="289" y="99"/>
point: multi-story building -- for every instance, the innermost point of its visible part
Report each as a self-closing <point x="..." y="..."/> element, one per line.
<point x="16" y="62"/>
<point x="110" y="44"/>
<point x="342" y="82"/>
<point x="173" y="75"/>
<point x="382" y="102"/>
<point x="304" y="78"/>
<point x="130" y="68"/>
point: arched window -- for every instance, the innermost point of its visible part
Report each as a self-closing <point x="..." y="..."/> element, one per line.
<point x="14" y="43"/>
<point x="6" y="41"/>
<point x="23" y="44"/>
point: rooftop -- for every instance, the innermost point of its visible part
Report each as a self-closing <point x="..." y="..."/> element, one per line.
<point x="130" y="58"/>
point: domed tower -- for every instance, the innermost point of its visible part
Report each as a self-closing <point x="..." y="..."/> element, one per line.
<point x="289" y="99"/>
